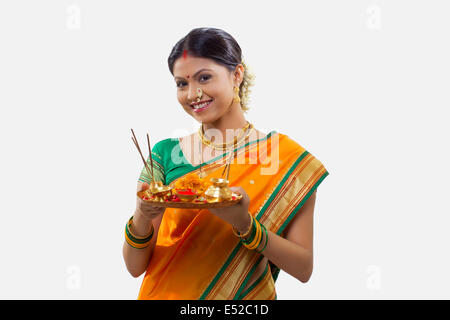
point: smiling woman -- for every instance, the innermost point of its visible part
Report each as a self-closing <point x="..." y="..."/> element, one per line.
<point x="234" y="252"/>
<point x="209" y="59"/>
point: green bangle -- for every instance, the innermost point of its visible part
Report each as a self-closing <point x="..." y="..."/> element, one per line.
<point x="134" y="244"/>
<point x="135" y="239"/>
<point x="267" y="239"/>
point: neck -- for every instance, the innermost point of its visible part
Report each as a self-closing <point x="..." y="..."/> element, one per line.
<point x="233" y="119"/>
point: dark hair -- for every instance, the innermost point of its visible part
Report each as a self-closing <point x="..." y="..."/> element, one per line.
<point x="217" y="45"/>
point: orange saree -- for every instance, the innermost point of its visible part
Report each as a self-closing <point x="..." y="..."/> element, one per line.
<point x="196" y="254"/>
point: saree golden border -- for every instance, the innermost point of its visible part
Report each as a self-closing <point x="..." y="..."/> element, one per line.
<point x="198" y="257"/>
<point x="262" y="289"/>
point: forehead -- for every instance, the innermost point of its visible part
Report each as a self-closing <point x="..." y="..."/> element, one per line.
<point x="189" y="65"/>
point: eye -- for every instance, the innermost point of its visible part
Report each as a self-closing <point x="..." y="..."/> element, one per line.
<point x="205" y="76"/>
<point x="179" y="83"/>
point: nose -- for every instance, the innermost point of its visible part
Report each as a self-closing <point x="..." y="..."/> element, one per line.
<point x="192" y="93"/>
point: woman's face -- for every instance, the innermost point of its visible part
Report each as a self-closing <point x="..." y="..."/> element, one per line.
<point x="215" y="81"/>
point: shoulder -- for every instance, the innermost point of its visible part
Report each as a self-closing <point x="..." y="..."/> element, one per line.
<point x="165" y="144"/>
<point x="162" y="149"/>
<point x="303" y="151"/>
<point x="286" y="142"/>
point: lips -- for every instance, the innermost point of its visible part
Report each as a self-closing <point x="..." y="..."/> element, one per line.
<point x="199" y="103"/>
<point x="199" y="107"/>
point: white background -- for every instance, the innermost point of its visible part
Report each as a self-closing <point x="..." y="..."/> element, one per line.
<point x="362" y="85"/>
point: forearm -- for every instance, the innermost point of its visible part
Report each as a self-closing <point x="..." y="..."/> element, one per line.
<point x="286" y="255"/>
<point x="289" y="256"/>
<point x="137" y="260"/>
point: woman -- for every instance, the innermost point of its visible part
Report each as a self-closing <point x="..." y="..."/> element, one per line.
<point x="234" y="252"/>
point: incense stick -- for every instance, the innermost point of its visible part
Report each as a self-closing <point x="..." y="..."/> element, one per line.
<point x="233" y="155"/>
<point x="140" y="152"/>
<point x="227" y="167"/>
<point x="201" y="157"/>
<point x="142" y="157"/>
<point x="224" y="168"/>
<point x="150" y="153"/>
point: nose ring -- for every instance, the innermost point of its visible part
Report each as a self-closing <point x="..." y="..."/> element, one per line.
<point x="199" y="94"/>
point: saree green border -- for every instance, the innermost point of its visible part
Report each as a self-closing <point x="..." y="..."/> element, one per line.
<point x="257" y="281"/>
<point x="219" y="274"/>
<point x="247" y="279"/>
<point x="276" y="270"/>
<point x="280" y="185"/>
<point x="297" y="208"/>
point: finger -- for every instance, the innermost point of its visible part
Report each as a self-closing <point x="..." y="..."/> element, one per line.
<point x="144" y="186"/>
<point x="236" y="189"/>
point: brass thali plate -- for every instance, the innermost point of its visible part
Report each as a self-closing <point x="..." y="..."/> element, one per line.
<point x="189" y="204"/>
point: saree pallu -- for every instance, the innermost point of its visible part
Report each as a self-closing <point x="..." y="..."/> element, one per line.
<point x="196" y="254"/>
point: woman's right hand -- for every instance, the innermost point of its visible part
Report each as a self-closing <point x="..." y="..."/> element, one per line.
<point x="145" y="209"/>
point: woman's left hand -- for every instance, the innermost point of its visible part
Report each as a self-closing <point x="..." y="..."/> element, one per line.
<point x="237" y="214"/>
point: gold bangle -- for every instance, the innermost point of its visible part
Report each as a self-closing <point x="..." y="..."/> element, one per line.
<point x="266" y="238"/>
<point x="136" y="245"/>
<point x="247" y="232"/>
<point x="256" y="241"/>
<point x="135" y="241"/>
<point x="138" y="237"/>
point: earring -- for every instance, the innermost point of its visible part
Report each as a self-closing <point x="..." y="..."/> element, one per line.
<point x="236" y="95"/>
<point x="199" y="94"/>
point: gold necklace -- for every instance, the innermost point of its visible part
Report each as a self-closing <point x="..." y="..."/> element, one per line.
<point x="231" y="146"/>
<point x="228" y="145"/>
<point x="236" y="145"/>
<point x="222" y="145"/>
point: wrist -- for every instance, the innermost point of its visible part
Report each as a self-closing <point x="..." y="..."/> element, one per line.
<point x="141" y="216"/>
<point x="141" y="225"/>
<point x="244" y="224"/>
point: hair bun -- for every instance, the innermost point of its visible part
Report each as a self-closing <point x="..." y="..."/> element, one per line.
<point x="244" y="89"/>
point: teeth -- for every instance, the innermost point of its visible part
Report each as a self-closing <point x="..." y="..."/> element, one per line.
<point x="201" y="105"/>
